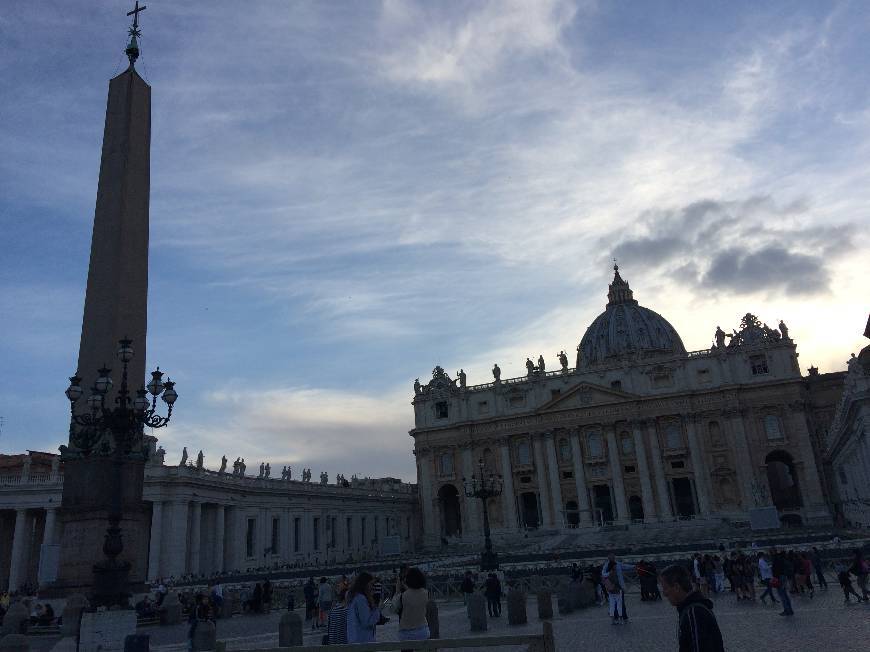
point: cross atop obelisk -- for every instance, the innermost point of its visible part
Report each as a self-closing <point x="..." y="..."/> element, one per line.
<point x="132" y="50"/>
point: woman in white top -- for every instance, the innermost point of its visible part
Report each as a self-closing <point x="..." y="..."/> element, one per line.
<point x="410" y="605"/>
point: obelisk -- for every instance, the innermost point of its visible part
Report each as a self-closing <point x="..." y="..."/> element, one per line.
<point x="116" y="303"/>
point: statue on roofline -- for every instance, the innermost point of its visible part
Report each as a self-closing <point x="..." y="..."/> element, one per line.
<point x="563" y="360"/>
<point x="183" y="461"/>
<point x="223" y="464"/>
<point x="496" y="372"/>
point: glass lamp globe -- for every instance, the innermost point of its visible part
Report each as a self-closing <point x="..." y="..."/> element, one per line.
<point x="169" y="393"/>
<point x="74" y="391"/>
<point x="125" y="350"/>
<point x="104" y="381"/>
<point x="95" y="400"/>
<point x="156" y="384"/>
<point x="140" y="403"/>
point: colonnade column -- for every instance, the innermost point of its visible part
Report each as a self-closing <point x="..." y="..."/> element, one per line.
<point x="50" y="521"/>
<point x="743" y="461"/>
<point x="195" y="540"/>
<point x="661" y="481"/>
<point x="154" y="543"/>
<point x="219" y="533"/>
<point x="541" y="476"/>
<point x="555" y="483"/>
<point x="580" y="479"/>
<point x="698" y="465"/>
<point x="425" y="463"/>
<point x="18" y="563"/>
<point x="508" y="498"/>
<point x="813" y="496"/>
<point x="646" y="492"/>
<point x="616" y="473"/>
<point x="473" y="515"/>
<point x="176" y="559"/>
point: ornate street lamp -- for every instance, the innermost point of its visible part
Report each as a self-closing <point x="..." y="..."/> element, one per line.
<point x="116" y="433"/>
<point x="484" y="486"/>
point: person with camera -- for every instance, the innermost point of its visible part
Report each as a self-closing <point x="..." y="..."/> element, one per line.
<point x="363" y="614"/>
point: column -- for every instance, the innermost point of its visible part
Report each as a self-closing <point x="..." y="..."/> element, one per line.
<point x="811" y="492"/>
<point x="580" y="479"/>
<point x="742" y="459"/>
<point x="156" y="536"/>
<point x="176" y="561"/>
<point x="50" y="520"/>
<point x="698" y="465"/>
<point x="555" y="482"/>
<point x="621" y="509"/>
<point x="18" y="563"/>
<point x="231" y="542"/>
<point x="219" y="534"/>
<point x="649" y="510"/>
<point x="541" y="476"/>
<point x="430" y="528"/>
<point x="195" y="540"/>
<point x="473" y="515"/>
<point x="509" y="500"/>
<point x="661" y="481"/>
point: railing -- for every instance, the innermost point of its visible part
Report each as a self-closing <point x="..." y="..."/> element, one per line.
<point x="699" y="354"/>
<point x="543" y="642"/>
<point x="18" y="479"/>
<point x="522" y="379"/>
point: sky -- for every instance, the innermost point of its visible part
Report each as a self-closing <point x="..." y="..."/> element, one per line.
<point x="344" y="195"/>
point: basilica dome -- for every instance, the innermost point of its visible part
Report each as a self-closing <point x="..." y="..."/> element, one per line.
<point x="626" y="330"/>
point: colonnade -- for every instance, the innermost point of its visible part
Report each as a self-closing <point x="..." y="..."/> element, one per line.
<point x="32" y="528"/>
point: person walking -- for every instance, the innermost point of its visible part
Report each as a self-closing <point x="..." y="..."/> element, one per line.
<point x="325" y="596"/>
<point x="697" y="629"/>
<point x="310" y="593"/>
<point x="336" y="626"/>
<point x="765" y="570"/>
<point x="860" y="570"/>
<point x="409" y="603"/>
<point x="363" y="613"/>
<point x="467" y="587"/>
<point x="492" y="591"/>
<point x="842" y="571"/>
<point x="613" y="577"/>
<point x="816" y="558"/>
<point x="782" y="570"/>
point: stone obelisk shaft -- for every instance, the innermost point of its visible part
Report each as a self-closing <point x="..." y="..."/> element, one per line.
<point x="116" y="301"/>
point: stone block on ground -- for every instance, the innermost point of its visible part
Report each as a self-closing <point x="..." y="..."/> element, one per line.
<point x="290" y="630"/>
<point x="228" y="607"/>
<point x="545" y="604"/>
<point x="14" y="643"/>
<point x="137" y="643"/>
<point x="563" y="601"/>
<point x="72" y="613"/>
<point x="16" y="619"/>
<point x="204" y="637"/>
<point x="433" y="620"/>
<point x="516" y="607"/>
<point x="582" y="594"/>
<point x="170" y="610"/>
<point x="476" y="607"/>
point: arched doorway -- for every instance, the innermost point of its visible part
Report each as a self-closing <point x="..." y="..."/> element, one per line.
<point x="782" y="480"/>
<point x="601" y="503"/>
<point x="529" y="506"/>
<point x="572" y="516"/>
<point x="684" y="498"/>
<point x="635" y="508"/>
<point x="451" y="517"/>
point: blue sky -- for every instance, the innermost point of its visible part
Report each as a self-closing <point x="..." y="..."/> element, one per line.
<point x="346" y="194"/>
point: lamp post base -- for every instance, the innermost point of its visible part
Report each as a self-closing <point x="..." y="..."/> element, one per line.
<point x="488" y="560"/>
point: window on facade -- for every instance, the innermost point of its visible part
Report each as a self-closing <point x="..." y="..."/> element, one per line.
<point x="297" y="534"/>
<point x="517" y="400"/>
<point x="446" y="463"/>
<point x="772" y="427"/>
<point x="678" y="464"/>
<point x="663" y="379"/>
<point x="362" y="530"/>
<point x="844" y="479"/>
<point x="349" y="524"/>
<point x="630" y="468"/>
<point x="673" y="437"/>
<point x="316" y="527"/>
<point x="567" y="475"/>
<point x="627" y="444"/>
<point x="525" y="479"/>
<point x="483" y="407"/>
<point x="616" y="384"/>
<point x="758" y="364"/>
<point x="703" y="376"/>
<point x="596" y="445"/>
<point x="565" y="450"/>
<point x="250" y="537"/>
<point x="715" y="433"/>
<point x="276" y="535"/>
<point x="524" y="454"/>
<point x="554" y="393"/>
<point x="441" y="410"/>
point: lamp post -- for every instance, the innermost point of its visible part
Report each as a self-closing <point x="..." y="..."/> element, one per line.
<point x="115" y="433"/>
<point x="484" y="486"/>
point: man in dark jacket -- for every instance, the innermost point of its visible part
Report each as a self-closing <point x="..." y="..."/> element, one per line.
<point x="698" y="630"/>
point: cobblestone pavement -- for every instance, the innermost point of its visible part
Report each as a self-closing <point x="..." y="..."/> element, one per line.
<point x="818" y="624"/>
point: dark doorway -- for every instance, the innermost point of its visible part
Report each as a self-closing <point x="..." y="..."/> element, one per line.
<point x="782" y="479"/>
<point x="448" y="496"/>
<point x="635" y="508"/>
<point x="684" y="499"/>
<point x="601" y="502"/>
<point x="529" y="507"/>
<point x="571" y="513"/>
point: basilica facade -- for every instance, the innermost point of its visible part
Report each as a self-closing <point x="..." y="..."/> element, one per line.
<point x="638" y="431"/>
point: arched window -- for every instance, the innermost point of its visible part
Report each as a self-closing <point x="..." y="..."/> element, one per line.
<point x="783" y="480"/>
<point x="564" y="450"/>
<point x="715" y="433"/>
<point x="571" y="513"/>
<point x="446" y="463"/>
<point x="627" y="443"/>
<point x="635" y="508"/>
<point x="524" y="455"/>
<point x="451" y="517"/>
<point x="596" y="446"/>
<point x="772" y="427"/>
<point x="673" y="436"/>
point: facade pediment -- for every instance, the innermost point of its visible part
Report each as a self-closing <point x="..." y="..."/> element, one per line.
<point x="587" y="395"/>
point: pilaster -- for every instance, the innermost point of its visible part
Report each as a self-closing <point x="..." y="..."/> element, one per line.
<point x="580" y="479"/>
<point x="509" y="500"/>
<point x="661" y="480"/>
<point x="555" y="482"/>
<point x="620" y="506"/>
<point x="649" y="511"/>
<point x="699" y="467"/>
<point x="541" y="476"/>
<point x="155" y="540"/>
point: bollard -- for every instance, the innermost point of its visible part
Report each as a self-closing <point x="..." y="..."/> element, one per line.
<point x="432" y="619"/>
<point x="582" y="594"/>
<point x="563" y="601"/>
<point x="16" y="619"/>
<point x="72" y="614"/>
<point x="220" y="646"/>
<point x="228" y="606"/>
<point x="476" y="607"/>
<point x="204" y="637"/>
<point x="137" y="643"/>
<point x="290" y="629"/>
<point x="516" y="607"/>
<point x="170" y="610"/>
<point x="14" y="643"/>
<point x="545" y="605"/>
